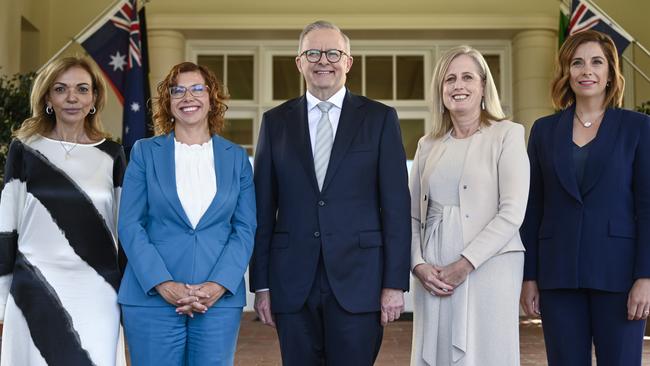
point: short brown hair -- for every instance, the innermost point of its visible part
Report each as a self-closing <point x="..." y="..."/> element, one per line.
<point x="43" y="123"/>
<point x="561" y="92"/>
<point x="162" y="115"/>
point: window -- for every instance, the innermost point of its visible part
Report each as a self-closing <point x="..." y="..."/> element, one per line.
<point x="260" y="74"/>
<point x="235" y="71"/>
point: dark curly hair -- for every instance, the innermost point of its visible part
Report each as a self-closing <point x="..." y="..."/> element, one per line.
<point x="162" y="114"/>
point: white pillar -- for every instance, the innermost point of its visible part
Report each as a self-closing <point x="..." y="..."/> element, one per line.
<point x="9" y="37"/>
<point x="166" y="49"/>
<point x="533" y="54"/>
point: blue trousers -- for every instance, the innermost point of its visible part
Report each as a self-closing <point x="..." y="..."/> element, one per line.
<point x="573" y="319"/>
<point x="157" y="336"/>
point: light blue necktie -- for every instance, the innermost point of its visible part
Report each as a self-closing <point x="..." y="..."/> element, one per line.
<point x="324" y="141"/>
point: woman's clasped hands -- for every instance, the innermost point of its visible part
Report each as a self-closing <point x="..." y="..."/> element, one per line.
<point x="441" y="281"/>
<point x="190" y="299"/>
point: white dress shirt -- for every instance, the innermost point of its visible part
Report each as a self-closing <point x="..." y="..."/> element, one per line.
<point x="313" y="113"/>
<point x="196" y="180"/>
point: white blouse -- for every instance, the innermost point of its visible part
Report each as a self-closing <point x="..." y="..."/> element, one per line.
<point x="196" y="180"/>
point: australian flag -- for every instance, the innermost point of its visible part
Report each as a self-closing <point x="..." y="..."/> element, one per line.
<point x="115" y="44"/>
<point x="585" y="16"/>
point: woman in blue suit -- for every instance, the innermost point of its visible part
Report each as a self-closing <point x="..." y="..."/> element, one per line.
<point x="587" y="225"/>
<point x="186" y="222"/>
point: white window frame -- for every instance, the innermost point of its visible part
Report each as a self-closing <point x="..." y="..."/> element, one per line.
<point x="264" y="50"/>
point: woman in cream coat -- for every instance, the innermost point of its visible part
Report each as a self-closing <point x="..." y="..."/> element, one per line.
<point x="469" y="187"/>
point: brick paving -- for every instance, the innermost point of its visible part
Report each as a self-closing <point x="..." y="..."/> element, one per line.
<point x="258" y="344"/>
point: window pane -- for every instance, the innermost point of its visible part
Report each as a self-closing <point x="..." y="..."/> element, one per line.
<point x="286" y="78"/>
<point x="495" y="69"/>
<point x="239" y="131"/>
<point x="214" y="63"/>
<point x="379" y="77"/>
<point x="353" y="81"/>
<point x="410" y="77"/>
<point x="412" y="130"/>
<point x="240" y="76"/>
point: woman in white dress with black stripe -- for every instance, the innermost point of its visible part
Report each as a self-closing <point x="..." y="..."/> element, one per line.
<point x="59" y="270"/>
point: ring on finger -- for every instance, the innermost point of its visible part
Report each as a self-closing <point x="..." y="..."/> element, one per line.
<point x="646" y="313"/>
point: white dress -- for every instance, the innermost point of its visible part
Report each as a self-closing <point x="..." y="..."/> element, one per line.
<point x="468" y="327"/>
<point x="59" y="270"/>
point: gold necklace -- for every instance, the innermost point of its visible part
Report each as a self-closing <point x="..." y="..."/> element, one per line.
<point x="588" y="124"/>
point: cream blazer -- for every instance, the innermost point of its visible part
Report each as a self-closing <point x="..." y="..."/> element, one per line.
<point x="493" y="191"/>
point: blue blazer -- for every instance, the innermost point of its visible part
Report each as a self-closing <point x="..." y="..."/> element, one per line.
<point x="157" y="236"/>
<point x="598" y="235"/>
<point x="359" y="223"/>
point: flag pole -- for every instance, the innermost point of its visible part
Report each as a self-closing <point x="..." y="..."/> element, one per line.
<point x="635" y="67"/>
<point x="74" y="39"/>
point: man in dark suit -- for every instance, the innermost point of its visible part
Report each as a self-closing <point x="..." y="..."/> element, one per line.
<point x="332" y="249"/>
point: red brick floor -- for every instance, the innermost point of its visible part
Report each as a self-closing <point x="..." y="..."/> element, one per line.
<point x="258" y="344"/>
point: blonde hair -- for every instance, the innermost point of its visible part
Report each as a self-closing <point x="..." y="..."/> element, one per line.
<point x="42" y="123"/>
<point x="561" y="92"/>
<point x="441" y="117"/>
<point x="163" y="122"/>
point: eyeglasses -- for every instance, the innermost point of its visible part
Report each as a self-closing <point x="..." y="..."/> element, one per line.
<point x="179" y="91"/>
<point x="315" y="55"/>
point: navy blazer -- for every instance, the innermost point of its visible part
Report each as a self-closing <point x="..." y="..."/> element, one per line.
<point x="158" y="238"/>
<point x="360" y="221"/>
<point x="596" y="236"/>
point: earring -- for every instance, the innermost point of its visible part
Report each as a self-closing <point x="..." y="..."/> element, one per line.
<point x="608" y="84"/>
<point x="48" y="109"/>
<point x="482" y="103"/>
<point x="173" y="119"/>
<point x="93" y="110"/>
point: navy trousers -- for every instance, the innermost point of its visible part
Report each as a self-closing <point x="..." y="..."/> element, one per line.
<point x="323" y="333"/>
<point x="573" y="319"/>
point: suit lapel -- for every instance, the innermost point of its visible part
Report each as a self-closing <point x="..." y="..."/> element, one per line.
<point x="601" y="148"/>
<point x="224" y="161"/>
<point x="298" y="132"/>
<point x="349" y="123"/>
<point x="563" y="153"/>
<point x="165" y="165"/>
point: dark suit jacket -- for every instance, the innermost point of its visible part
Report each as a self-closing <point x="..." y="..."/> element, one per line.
<point x="598" y="235"/>
<point x="360" y="222"/>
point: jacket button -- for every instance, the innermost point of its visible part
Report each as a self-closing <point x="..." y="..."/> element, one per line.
<point x="466" y="216"/>
<point x="465" y="187"/>
<point x="425" y="197"/>
<point x="422" y="226"/>
<point x="321" y="203"/>
<point x="190" y="231"/>
<point x="316" y="234"/>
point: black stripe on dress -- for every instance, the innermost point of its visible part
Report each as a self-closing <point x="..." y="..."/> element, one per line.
<point x="49" y="323"/>
<point x="116" y="152"/>
<point x="74" y="213"/>
<point x="8" y="247"/>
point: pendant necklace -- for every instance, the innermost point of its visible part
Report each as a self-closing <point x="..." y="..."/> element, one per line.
<point x="587" y="124"/>
<point x="67" y="150"/>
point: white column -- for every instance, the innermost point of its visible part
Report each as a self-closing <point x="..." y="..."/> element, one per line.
<point x="9" y="37"/>
<point x="166" y="49"/>
<point x="533" y="53"/>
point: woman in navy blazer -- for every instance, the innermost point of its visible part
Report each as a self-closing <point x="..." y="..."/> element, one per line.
<point x="587" y="225"/>
<point x="186" y="222"/>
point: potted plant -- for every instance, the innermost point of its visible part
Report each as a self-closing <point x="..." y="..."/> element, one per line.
<point x="14" y="108"/>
